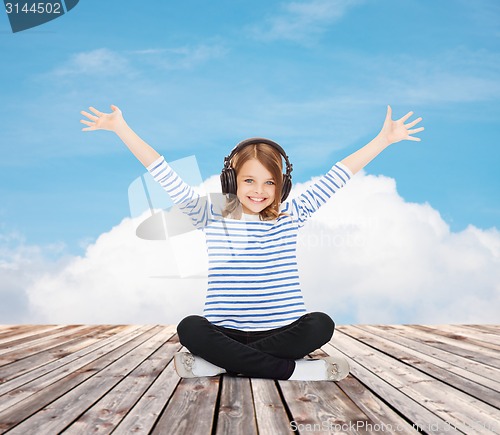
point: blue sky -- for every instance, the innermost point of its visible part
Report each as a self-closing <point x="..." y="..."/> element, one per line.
<point x="191" y="78"/>
<point x="404" y="243"/>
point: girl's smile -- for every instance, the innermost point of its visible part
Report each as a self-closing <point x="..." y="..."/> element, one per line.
<point x="255" y="187"/>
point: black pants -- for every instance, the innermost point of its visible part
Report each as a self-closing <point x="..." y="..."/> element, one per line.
<point x="261" y="354"/>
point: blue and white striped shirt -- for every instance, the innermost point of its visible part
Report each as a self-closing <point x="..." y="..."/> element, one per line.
<point x="253" y="280"/>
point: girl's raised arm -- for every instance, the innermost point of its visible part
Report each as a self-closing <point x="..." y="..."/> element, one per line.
<point x="392" y="132"/>
<point x="114" y="122"/>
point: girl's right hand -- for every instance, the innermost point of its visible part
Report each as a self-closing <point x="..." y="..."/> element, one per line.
<point x="103" y="121"/>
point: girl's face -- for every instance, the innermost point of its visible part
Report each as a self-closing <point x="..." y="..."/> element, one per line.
<point x="256" y="187"/>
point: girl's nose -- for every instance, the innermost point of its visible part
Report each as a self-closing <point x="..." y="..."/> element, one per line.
<point x="258" y="188"/>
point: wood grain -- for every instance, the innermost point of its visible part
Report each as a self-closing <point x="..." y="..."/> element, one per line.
<point x="120" y="379"/>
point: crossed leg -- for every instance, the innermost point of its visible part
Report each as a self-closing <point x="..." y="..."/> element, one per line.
<point x="264" y="354"/>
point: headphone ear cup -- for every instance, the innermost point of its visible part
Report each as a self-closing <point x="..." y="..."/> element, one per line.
<point x="232" y="187"/>
<point x="223" y="181"/>
<point x="228" y="181"/>
<point x="287" y="187"/>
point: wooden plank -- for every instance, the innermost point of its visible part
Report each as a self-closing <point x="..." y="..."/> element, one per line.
<point x="9" y="328"/>
<point x="359" y="357"/>
<point x="21" y="334"/>
<point x="43" y="341"/>
<point x="475" y="371"/>
<point x="59" y="414"/>
<point x="479" y="338"/>
<point x="191" y="408"/>
<point x="41" y="344"/>
<point x="483" y="336"/>
<point x="26" y="368"/>
<point x="382" y="417"/>
<point x="492" y="329"/>
<point x="14" y="330"/>
<point x="236" y="414"/>
<point x="42" y="358"/>
<point x="50" y="370"/>
<point x="403" y="350"/>
<point x="467" y="350"/>
<point x="114" y="378"/>
<point x="143" y="416"/>
<point x="455" y="407"/>
<point x="270" y="411"/>
<point x="41" y="398"/>
<point x="426" y="345"/>
<point x="106" y="413"/>
<point x="43" y="377"/>
<point x="322" y="407"/>
<point x="31" y="336"/>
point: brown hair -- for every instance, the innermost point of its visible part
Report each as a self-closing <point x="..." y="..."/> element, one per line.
<point x="270" y="158"/>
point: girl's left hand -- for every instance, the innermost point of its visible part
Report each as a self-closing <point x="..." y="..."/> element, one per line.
<point x="103" y="121"/>
<point x="396" y="131"/>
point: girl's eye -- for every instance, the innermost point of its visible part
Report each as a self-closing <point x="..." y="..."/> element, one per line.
<point x="250" y="180"/>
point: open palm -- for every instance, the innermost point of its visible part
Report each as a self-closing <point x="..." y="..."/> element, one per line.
<point x="395" y="131"/>
<point x="102" y="121"/>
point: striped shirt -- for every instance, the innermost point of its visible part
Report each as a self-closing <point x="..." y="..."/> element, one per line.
<point x="253" y="280"/>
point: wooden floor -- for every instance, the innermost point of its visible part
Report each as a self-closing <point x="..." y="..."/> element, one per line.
<point x="84" y="379"/>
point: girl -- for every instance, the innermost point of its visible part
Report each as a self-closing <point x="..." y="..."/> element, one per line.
<point x="254" y="322"/>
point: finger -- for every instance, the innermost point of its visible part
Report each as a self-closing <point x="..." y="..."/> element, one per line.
<point x="114" y="108"/>
<point x="83" y="121"/>
<point x="93" y="109"/>
<point x="404" y="118"/>
<point x="388" y="116"/>
<point x="88" y="128"/>
<point x="415" y="139"/>
<point x="411" y="124"/>
<point x="88" y="115"/>
<point x="416" y="130"/>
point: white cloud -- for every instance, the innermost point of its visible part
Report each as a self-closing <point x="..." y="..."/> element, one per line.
<point x="304" y="20"/>
<point x="20" y="266"/>
<point x="100" y="62"/>
<point x="367" y="256"/>
<point x="379" y="259"/>
<point x="120" y="279"/>
<point x="104" y="62"/>
<point x="185" y="57"/>
<point x="452" y="76"/>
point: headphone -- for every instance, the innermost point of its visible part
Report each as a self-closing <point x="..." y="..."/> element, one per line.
<point x="228" y="174"/>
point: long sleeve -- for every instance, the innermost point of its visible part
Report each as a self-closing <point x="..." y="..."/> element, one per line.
<point x="303" y="206"/>
<point x="183" y="195"/>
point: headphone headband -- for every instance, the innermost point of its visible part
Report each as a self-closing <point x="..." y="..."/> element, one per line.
<point x="228" y="177"/>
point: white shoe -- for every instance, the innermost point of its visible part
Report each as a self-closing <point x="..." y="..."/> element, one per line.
<point x="186" y="364"/>
<point x="337" y="368"/>
<point x="183" y="363"/>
